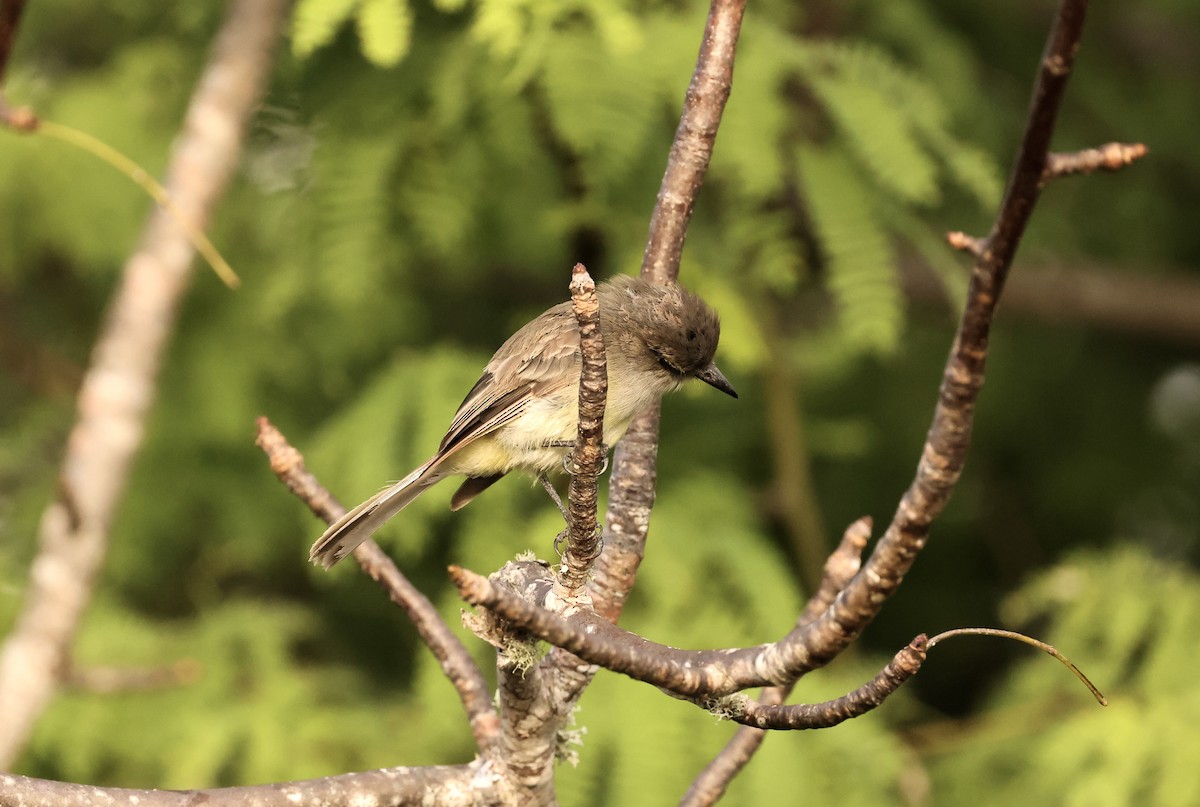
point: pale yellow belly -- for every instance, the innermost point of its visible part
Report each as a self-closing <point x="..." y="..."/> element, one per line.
<point x="521" y="443"/>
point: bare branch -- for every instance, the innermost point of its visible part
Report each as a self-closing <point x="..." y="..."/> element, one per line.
<point x="110" y="680"/>
<point x="1109" y="157"/>
<point x="692" y="148"/>
<point x="904" y="665"/>
<point x="451" y="785"/>
<point x="583" y="536"/>
<point x="689" y="673"/>
<point x="10" y="20"/>
<point x="1148" y="302"/>
<point x="455" y="661"/>
<point x="840" y="568"/>
<point x="949" y="435"/>
<point x="118" y="389"/>
<point x="631" y="486"/>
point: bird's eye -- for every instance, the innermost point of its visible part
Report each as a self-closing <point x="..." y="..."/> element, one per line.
<point x="663" y="363"/>
<point x="691" y="335"/>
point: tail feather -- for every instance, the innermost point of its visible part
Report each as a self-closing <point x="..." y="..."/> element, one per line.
<point x="359" y="524"/>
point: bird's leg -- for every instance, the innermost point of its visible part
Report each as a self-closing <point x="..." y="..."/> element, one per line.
<point x="545" y="483"/>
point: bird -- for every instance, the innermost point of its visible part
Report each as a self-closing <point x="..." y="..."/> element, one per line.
<point x="523" y="412"/>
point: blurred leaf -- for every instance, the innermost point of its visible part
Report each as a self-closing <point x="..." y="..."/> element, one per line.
<point x="316" y="22"/>
<point x="385" y="28"/>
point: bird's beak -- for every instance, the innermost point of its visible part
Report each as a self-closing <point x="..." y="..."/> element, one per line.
<point x="715" y="378"/>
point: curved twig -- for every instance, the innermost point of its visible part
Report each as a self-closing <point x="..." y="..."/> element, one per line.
<point x="1029" y="640"/>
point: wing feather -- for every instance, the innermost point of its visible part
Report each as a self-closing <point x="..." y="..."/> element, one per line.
<point x="534" y="360"/>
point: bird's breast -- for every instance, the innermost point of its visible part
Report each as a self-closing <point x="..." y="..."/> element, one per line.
<point x="521" y="444"/>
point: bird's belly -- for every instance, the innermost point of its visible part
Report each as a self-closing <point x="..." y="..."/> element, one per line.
<point x="522" y="443"/>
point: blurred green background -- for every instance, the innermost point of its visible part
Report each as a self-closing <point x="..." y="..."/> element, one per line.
<point x="419" y="182"/>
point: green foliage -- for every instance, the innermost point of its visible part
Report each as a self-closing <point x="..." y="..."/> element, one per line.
<point x="857" y="255"/>
<point x="385" y="28"/>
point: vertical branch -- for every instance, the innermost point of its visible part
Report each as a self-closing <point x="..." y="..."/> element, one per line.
<point x="583" y="538"/>
<point x="692" y="148"/>
<point x="10" y="19"/>
<point x="945" y="450"/>
<point x="631" y="487"/>
<point x="118" y="388"/>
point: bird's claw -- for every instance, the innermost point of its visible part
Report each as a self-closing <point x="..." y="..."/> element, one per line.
<point x="570" y="468"/>
<point x="558" y="539"/>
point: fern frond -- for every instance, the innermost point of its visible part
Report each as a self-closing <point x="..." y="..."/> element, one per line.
<point x="852" y="82"/>
<point x="603" y="105"/>
<point x="353" y="198"/>
<point x="855" y="245"/>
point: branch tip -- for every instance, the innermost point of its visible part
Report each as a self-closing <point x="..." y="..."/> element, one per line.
<point x="1109" y="157"/>
<point x="1029" y="640"/>
<point x="967" y="243"/>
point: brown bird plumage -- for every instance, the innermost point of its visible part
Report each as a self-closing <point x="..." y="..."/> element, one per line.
<point x="523" y="411"/>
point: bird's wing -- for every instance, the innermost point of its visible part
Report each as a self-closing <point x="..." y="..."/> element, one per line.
<point x="534" y="361"/>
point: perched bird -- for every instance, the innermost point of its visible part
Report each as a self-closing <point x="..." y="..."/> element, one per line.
<point x="523" y="412"/>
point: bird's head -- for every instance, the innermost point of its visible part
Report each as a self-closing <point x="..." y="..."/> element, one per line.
<point x="677" y="329"/>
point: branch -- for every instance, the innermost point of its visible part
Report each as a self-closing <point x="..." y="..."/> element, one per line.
<point x="532" y="714"/>
<point x="904" y="665"/>
<point x="631" y="486"/>
<point x="1147" y="301"/>
<point x="455" y="661"/>
<point x="110" y="680"/>
<point x="449" y="785"/>
<point x="945" y="448"/>
<point x="1109" y="157"/>
<point x="689" y="673"/>
<point x="583" y="536"/>
<point x="118" y="389"/>
<point x="10" y="20"/>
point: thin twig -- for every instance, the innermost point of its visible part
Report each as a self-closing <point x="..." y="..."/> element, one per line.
<point x="583" y="536"/>
<point x="692" y="148"/>
<point x="1029" y="640"/>
<point x="452" y="656"/>
<point x="118" y="388"/>
<point x="111" y="680"/>
<point x="140" y="177"/>
<point x="966" y="243"/>
<point x="1109" y="157"/>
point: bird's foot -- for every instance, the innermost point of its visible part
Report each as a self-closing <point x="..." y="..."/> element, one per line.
<point x="558" y="540"/>
<point x="570" y="468"/>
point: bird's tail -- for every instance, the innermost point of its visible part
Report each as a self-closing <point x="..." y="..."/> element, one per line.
<point x="361" y="523"/>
